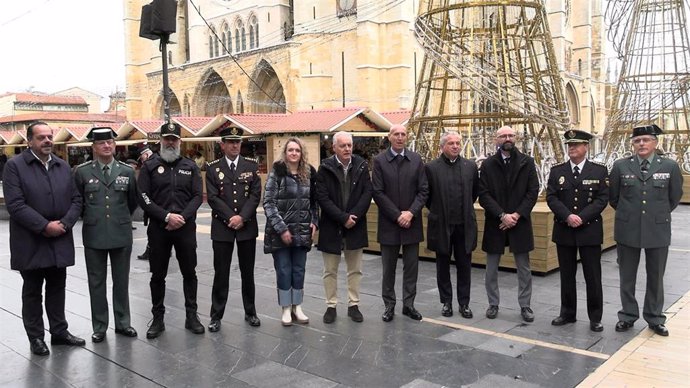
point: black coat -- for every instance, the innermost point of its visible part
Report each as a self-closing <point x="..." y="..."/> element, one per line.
<point x="34" y="197"/>
<point x="229" y="195"/>
<point x="439" y="229"/>
<point x="501" y="193"/>
<point x="333" y="215"/>
<point x="587" y="197"/>
<point x="398" y="188"/>
<point x="289" y="205"/>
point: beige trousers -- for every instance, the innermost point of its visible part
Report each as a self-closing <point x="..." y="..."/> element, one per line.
<point x="353" y="260"/>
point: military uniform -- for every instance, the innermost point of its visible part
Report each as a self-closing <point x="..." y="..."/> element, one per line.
<point x="643" y="203"/>
<point x="108" y="203"/>
<point x="229" y="194"/>
<point x="584" y="193"/>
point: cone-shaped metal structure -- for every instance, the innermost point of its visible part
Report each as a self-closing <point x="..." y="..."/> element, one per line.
<point x="488" y="64"/>
<point x="651" y="37"/>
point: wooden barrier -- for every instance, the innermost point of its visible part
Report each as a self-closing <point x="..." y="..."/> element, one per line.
<point x="543" y="258"/>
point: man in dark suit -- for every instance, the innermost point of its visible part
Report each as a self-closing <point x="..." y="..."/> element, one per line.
<point x="452" y="224"/>
<point x="108" y="189"/>
<point x="400" y="191"/>
<point x="645" y="189"/>
<point x="233" y="190"/>
<point x="577" y="193"/>
<point x="343" y="190"/>
<point x="508" y="192"/>
<point x="44" y="204"/>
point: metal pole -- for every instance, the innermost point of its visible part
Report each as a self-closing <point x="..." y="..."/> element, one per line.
<point x="166" y="90"/>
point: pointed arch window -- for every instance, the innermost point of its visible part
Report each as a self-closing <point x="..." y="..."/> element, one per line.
<point x="253" y="32"/>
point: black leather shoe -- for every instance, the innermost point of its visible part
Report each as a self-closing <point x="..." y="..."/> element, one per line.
<point x="329" y="315"/>
<point x="388" y="314"/>
<point x="412" y="313"/>
<point x="492" y="312"/>
<point x="67" y="339"/>
<point x="527" y="314"/>
<point x="623" y="326"/>
<point x="97" y="337"/>
<point x="193" y="324"/>
<point x="127" y="332"/>
<point x="465" y="311"/>
<point x="38" y="347"/>
<point x="354" y="314"/>
<point x="447" y="310"/>
<point x="660" y="330"/>
<point x="253" y="320"/>
<point x="157" y="328"/>
<point x="596" y="326"/>
<point x="145" y="255"/>
<point x="214" y="326"/>
<point x="561" y="320"/>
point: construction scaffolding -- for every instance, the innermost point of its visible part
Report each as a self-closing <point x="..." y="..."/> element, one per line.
<point x="651" y="39"/>
<point x="488" y="64"/>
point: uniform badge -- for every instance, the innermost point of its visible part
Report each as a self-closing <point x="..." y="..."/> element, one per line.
<point x="570" y="134"/>
<point x="221" y="176"/>
<point x="161" y="169"/>
<point x="90" y="180"/>
<point x="217" y="169"/>
<point x="561" y="180"/>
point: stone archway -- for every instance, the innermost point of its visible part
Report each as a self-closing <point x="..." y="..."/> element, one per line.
<point x="213" y="97"/>
<point x="573" y="103"/>
<point x="266" y="93"/>
<point x="175" y="107"/>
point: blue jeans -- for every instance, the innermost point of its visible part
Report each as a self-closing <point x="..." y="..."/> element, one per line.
<point x="290" y="264"/>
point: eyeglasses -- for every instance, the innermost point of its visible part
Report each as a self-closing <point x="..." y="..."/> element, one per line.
<point x="506" y="136"/>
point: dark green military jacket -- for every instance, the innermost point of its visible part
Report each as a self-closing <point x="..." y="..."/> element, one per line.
<point x="108" y="205"/>
<point x="644" y="202"/>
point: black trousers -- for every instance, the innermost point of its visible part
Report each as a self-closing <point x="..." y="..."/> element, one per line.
<point x="463" y="266"/>
<point x="162" y="242"/>
<point x="590" y="257"/>
<point x="222" y="258"/>
<point x="389" y="259"/>
<point x="32" y="301"/>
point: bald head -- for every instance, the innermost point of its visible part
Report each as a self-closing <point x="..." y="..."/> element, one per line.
<point x="505" y="138"/>
<point x="397" y="136"/>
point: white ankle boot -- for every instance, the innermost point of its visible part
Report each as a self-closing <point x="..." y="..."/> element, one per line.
<point x="287" y="317"/>
<point x="298" y="314"/>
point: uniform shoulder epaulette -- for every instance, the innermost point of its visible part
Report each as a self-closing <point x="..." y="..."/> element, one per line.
<point x="560" y="164"/>
<point x="597" y="163"/>
<point x="125" y="164"/>
<point x="85" y="164"/>
<point x="251" y="160"/>
<point x="211" y="163"/>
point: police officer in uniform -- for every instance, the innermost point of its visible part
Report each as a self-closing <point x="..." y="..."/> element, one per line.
<point x="170" y="193"/>
<point x="108" y="189"/>
<point x="233" y="190"/>
<point x="645" y="188"/>
<point x="577" y="193"/>
<point x="145" y="154"/>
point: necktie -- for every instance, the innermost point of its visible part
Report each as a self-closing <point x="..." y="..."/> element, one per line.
<point x="506" y="161"/>
<point x="232" y="169"/>
<point x="645" y="166"/>
<point x="106" y="173"/>
<point x="576" y="172"/>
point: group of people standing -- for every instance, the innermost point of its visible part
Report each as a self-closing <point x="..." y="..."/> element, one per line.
<point x="45" y="201"/>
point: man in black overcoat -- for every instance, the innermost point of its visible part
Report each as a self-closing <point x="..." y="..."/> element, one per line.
<point x="452" y="223"/>
<point x="508" y="191"/>
<point x="577" y="193"/>
<point x="400" y="192"/>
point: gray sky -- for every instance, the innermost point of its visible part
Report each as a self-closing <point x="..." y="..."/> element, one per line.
<point x="52" y="45"/>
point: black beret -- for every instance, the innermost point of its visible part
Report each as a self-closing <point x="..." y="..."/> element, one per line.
<point x="653" y="130"/>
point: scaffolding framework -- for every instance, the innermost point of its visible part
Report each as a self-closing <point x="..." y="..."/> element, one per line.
<point x="488" y="64"/>
<point x="651" y="39"/>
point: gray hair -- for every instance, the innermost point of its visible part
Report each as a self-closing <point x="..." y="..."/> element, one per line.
<point x="445" y="135"/>
<point x="341" y="134"/>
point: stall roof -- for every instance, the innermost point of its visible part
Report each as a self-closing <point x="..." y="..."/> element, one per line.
<point x="193" y="124"/>
<point x="398" y="116"/>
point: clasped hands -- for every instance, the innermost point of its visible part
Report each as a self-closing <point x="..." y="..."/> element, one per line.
<point x="509" y="220"/>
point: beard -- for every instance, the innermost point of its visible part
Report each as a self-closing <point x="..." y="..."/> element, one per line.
<point x="507" y="146"/>
<point x="170" y="153"/>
